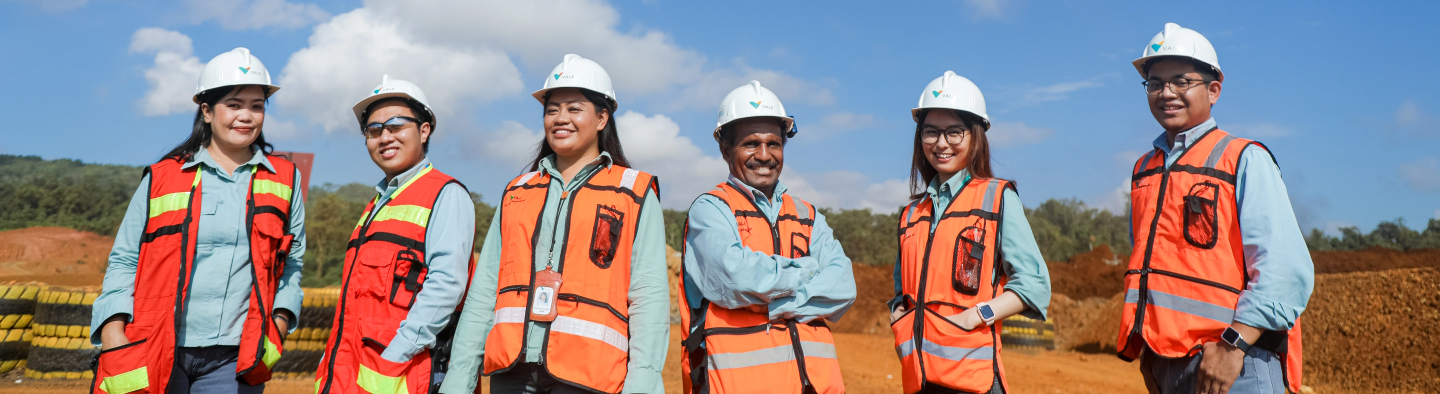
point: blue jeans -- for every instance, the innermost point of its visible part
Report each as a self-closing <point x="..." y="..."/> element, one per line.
<point x="208" y="370"/>
<point x="1261" y="374"/>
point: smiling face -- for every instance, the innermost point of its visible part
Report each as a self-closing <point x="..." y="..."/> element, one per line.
<point x="1182" y="111"/>
<point x="757" y="154"/>
<point x="236" y="120"/>
<point x="396" y="151"/>
<point x="573" y="125"/>
<point x="947" y="158"/>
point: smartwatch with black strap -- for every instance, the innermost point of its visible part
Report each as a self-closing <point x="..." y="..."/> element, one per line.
<point x="1233" y="338"/>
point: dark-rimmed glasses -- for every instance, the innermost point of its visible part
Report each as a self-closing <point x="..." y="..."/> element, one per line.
<point x="1178" y="85"/>
<point x="953" y="135"/>
<point x="395" y="125"/>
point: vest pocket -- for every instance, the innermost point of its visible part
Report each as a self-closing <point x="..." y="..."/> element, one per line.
<point x="409" y="278"/>
<point x="969" y="257"/>
<point x="799" y="245"/>
<point x="124" y="369"/>
<point x="606" y="235"/>
<point x="1201" y="229"/>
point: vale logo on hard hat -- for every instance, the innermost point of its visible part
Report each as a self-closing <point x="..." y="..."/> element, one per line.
<point x="1157" y="46"/>
<point x="244" y="70"/>
<point x="557" y="76"/>
<point x="936" y="92"/>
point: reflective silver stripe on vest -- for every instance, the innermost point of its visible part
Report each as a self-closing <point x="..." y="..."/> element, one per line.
<point x="778" y="354"/>
<point x="990" y="196"/>
<point x="905" y="348"/>
<point x="1218" y="150"/>
<point x="946" y="352"/>
<point x="801" y="209"/>
<point x="1184" y="305"/>
<point x="592" y="330"/>
<point x="512" y="314"/>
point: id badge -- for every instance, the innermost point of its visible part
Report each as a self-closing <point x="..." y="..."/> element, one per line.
<point x="542" y="302"/>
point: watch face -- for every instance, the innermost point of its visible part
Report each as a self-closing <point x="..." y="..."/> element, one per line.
<point x="986" y="313"/>
<point x="1230" y="336"/>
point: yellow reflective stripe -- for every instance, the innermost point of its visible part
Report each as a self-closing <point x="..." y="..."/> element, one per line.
<point x="272" y="353"/>
<point x="266" y="186"/>
<point x="416" y="214"/>
<point x="169" y="202"/>
<point x="376" y="383"/>
<point x="422" y="173"/>
<point x="129" y="382"/>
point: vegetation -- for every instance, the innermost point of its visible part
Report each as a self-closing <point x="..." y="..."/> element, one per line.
<point x="93" y="197"/>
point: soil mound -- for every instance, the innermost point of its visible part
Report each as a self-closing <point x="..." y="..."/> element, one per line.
<point x="54" y="255"/>
<point x="1090" y="325"/>
<point x="1373" y="259"/>
<point x="1097" y="273"/>
<point x="1373" y="331"/>
<point x="874" y="285"/>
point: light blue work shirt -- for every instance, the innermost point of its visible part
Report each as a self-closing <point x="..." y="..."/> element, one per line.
<point x="649" y="295"/>
<point x="449" y="241"/>
<point x="1020" y="255"/>
<point x="220" y="288"/>
<point x="721" y="269"/>
<point x="1276" y="258"/>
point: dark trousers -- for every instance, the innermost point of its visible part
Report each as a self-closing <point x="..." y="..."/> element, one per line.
<point x="530" y="378"/>
<point x="995" y="388"/>
<point x="208" y="370"/>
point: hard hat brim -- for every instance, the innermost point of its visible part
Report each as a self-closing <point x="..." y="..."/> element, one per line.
<point x="789" y="122"/>
<point x="539" y="95"/>
<point x="1140" y="65"/>
<point x="915" y="114"/>
<point x="269" y="90"/>
<point x="360" y="107"/>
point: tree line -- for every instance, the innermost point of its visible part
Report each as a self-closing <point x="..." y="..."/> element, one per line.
<point x="93" y="197"/>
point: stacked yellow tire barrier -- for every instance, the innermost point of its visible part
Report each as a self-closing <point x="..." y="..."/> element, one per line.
<point x="17" y="309"/>
<point x="1024" y="333"/>
<point x="60" y="344"/>
<point x="305" y="346"/>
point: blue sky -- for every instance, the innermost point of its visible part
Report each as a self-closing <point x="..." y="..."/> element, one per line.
<point x="1335" y="89"/>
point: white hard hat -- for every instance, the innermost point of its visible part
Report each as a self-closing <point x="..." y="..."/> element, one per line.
<point x="237" y="67"/>
<point x="753" y="100"/>
<point x="394" y="88"/>
<point x="1182" y="42"/>
<point x="578" y="72"/>
<point x="955" y="92"/>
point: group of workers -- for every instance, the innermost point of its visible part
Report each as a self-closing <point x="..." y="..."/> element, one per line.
<point x="568" y="293"/>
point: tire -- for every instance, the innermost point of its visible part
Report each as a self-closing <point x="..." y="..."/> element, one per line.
<point x="17" y="305"/>
<point x="301" y="357"/>
<point x="60" y="306"/>
<point x="52" y="355"/>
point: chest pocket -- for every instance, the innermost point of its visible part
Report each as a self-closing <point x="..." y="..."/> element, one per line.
<point x="209" y="203"/>
<point x="605" y="237"/>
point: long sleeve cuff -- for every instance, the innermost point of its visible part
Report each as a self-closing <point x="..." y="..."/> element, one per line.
<point x="643" y="380"/>
<point x="1257" y="311"/>
<point x="400" y="349"/>
<point x="102" y="312"/>
<point x="290" y="302"/>
<point x="1033" y="309"/>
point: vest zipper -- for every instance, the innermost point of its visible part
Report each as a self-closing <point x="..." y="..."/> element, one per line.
<point x="339" y="332"/>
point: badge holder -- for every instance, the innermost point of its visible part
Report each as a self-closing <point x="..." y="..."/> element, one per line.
<point x="542" y="301"/>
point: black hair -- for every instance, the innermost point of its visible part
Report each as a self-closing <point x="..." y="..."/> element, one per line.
<point x="609" y="136"/>
<point x="921" y="172"/>
<point x="415" y="107"/>
<point x="1206" y="71"/>
<point x="726" y="136"/>
<point x="201" y="133"/>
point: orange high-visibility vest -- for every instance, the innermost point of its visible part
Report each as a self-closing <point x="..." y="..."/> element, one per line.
<point x="1185" y="277"/>
<point x="588" y="344"/>
<point x="166" y="269"/>
<point x="943" y="273"/>
<point x="742" y="350"/>
<point x="385" y="269"/>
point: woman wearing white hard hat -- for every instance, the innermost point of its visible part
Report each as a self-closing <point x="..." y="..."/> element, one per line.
<point x="968" y="259"/>
<point x="410" y="253"/>
<point x="203" y="282"/>
<point x="570" y="294"/>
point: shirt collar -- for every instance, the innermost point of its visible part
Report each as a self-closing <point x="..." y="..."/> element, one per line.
<point x="398" y="180"/>
<point x="547" y="164"/>
<point x="203" y="156"/>
<point x="756" y="194"/>
<point x="952" y="186"/>
<point x="1185" y="139"/>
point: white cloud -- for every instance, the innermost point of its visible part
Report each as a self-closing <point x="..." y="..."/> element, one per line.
<point x="1013" y="134"/>
<point x="1413" y="120"/>
<point x="1260" y="130"/>
<point x="986" y="8"/>
<point x="654" y="144"/>
<point x="847" y="190"/>
<point x="706" y="91"/>
<point x="1127" y="159"/>
<point x="511" y="147"/>
<point x="348" y="54"/>
<point x="1422" y="175"/>
<point x="1057" y="92"/>
<point x="254" y="14"/>
<point x="172" y="78"/>
<point x="1114" y="200"/>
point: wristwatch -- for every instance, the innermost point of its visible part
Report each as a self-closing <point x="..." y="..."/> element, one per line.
<point x="986" y="313"/>
<point x="1233" y="338"/>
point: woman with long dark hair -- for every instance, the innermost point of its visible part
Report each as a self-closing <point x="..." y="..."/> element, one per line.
<point x="569" y="294"/>
<point x="967" y="257"/>
<point x="203" y="282"/>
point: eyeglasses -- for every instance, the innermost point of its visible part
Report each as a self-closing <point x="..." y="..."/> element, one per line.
<point x="395" y="125"/>
<point x="1177" y="85"/>
<point x="953" y="135"/>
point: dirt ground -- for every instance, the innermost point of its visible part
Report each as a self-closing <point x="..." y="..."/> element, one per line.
<point x="54" y="255"/>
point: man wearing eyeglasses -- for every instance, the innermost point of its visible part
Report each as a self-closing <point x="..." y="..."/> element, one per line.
<point x="408" y="259"/>
<point x="1220" y="272"/>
